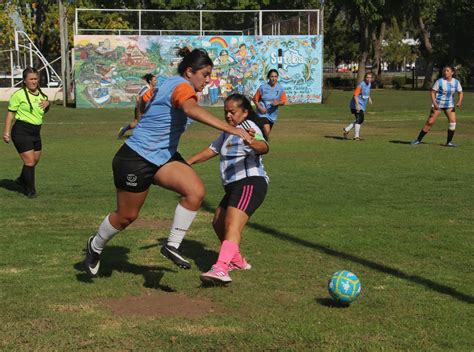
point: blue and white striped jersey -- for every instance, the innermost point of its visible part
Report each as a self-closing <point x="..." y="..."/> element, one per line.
<point x="445" y="91"/>
<point x="238" y="160"/>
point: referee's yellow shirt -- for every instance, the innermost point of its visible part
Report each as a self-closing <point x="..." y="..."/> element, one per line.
<point x="19" y="104"/>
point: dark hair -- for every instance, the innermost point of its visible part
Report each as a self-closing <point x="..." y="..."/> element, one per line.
<point x="148" y="77"/>
<point x="243" y="103"/>
<point x="196" y="59"/>
<point x="450" y="67"/>
<point x="271" y="71"/>
<point x="368" y="74"/>
<point x="26" y="72"/>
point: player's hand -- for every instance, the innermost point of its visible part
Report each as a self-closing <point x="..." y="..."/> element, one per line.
<point x="44" y="104"/>
<point x="251" y="132"/>
<point x="6" y="138"/>
<point x="436" y="107"/>
<point x="242" y="134"/>
<point x="275" y="102"/>
<point x="459" y="105"/>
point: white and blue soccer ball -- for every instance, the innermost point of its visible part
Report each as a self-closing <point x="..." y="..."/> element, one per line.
<point x="344" y="287"/>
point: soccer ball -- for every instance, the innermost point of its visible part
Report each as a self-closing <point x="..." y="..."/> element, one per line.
<point x="344" y="287"/>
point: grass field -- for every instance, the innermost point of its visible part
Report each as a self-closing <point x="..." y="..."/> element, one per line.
<point x="399" y="216"/>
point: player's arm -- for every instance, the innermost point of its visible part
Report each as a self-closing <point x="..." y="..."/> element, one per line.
<point x="256" y="101"/>
<point x="356" y="94"/>
<point x="8" y="126"/>
<point x="460" y="98"/>
<point x="259" y="146"/>
<point x="433" y="99"/>
<point x="198" y="113"/>
<point x="370" y="100"/>
<point x="202" y="156"/>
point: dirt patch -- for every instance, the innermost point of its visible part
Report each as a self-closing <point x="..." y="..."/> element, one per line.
<point x="150" y="224"/>
<point x="161" y="304"/>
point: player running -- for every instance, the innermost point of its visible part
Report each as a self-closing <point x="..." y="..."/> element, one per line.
<point x="442" y="98"/>
<point x="150" y="156"/>
<point x="358" y="105"/>
<point x="245" y="183"/>
<point x="267" y="99"/>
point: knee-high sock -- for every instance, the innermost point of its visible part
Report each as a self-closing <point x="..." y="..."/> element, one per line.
<point x="183" y="219"/>
<point x="228" y="250"/>
<point x="28" y="174"/>
<point x="357" y="130"/>
<point x="421" y="135"/>
<point x="349" y="127"/>
<point x="104" y="234"/>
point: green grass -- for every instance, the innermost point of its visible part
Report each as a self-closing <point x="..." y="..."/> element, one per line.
<point x="400" y="217"/>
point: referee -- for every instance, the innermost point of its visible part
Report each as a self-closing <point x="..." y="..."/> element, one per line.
<point x="27" y="106"/>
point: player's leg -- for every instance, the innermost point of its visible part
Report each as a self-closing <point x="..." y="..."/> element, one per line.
<point x="27" y="177"/>
<point x="349" y="127"/>
<point x="451" y="114"/>
<point x="128" y="208"/>
<point x="427" y="126"/>
<point x="358" y="123"/>
<point x="218" y="222"/>
<point x="181" y="178"/>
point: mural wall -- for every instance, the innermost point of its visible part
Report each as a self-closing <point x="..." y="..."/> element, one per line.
<point x="108" y="69"/>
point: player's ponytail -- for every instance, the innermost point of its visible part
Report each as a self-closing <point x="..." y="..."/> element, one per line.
<point x="196" y="59"/>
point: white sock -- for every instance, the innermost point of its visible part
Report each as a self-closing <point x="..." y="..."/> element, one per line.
<point x="357" y="130"/>
<point x="349" y="127"/>
<point x="181" y="222"/>
<point x="104" y="234"/>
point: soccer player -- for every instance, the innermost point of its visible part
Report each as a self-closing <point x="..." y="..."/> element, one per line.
<point x="143" y="97"/>
<point x="245" y="183"/>
<point x="358" y="105"/>
<point x="267" y="99"/>
<point x="442" y="99"/>
<point x="150" y="156"/>
<point x="27" y="106"/>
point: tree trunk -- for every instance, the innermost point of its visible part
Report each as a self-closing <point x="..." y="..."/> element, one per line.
<point x="377" y="65"/>
<point x="428" y="82"/>
<point x="364" y="51"/>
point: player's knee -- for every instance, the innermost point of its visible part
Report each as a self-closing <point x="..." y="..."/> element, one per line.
<point x="452" y="126"/>
<point x="126" y="219"/>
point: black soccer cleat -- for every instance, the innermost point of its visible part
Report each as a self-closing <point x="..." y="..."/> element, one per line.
<point x="175" y="256"/>
<point x="92" y="261"/>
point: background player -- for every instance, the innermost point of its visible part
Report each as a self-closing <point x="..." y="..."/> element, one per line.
<point x="442" y="98"/>
<point x="358" y="105"/>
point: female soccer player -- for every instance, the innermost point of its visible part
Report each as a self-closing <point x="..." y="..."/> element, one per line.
<point x="27" y="106"/>
<point x="143" y="97"/>
<point x="358" y="105"/>
<point x="245" y="184"/>
<point x="267" y="99"/>
<point x="442" y="98"/>
<point x="150" y="156"/>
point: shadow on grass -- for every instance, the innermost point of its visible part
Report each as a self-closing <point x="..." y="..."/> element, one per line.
<point x="338" y="138"/>
<point x="328" y="302"/>
<point x="195" y="250"/>
<point x="430" y="284"/>
<point x="11" y="185"/>
<point x="115" y="258"/>
<point x="401" y="142"/>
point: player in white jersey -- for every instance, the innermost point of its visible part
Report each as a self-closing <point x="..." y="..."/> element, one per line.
<point x="245" y="183"/>
<point x="442" y="98"/>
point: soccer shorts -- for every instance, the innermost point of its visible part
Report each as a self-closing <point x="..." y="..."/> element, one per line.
<point x="26" y="136"/>
<point x="359" y="116"/>
<point x="246" y="194"/>
<point x="132" y="172"/>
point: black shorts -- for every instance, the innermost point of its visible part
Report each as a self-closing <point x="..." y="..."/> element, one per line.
<point x="444" y="109"/>
<point x="246" y="194"/>
<point x="132" y="172"/>
<point x="359" y="116"/>
<point x="26" y="136"/>
<point x="264" y="121"/>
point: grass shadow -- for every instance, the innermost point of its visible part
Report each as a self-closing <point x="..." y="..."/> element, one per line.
<point x="115" y="258"/>
<point x="430" y="284"/>
<point x="194" y="250"/>
<point x="12" y="185"/>
<point x="401" y="142"/>
<point x="338" y="138"/>
<point x="328" y="302"/>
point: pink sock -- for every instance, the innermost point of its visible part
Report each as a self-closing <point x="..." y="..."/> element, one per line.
<point x="228" y="250"/>
<point x="238" y="259"/>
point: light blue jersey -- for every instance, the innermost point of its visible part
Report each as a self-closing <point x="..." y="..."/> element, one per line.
<point x="238" y="160"/>
<point x="265" y="95"/>
<point x="362" y="92"/>
<point x="445" y="91"/>
<point x="157" y="134"/>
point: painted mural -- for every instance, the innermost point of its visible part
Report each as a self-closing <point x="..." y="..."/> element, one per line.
<point x="108" y="69"/>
